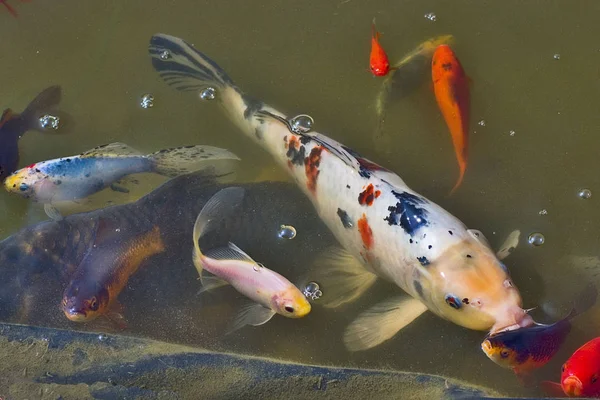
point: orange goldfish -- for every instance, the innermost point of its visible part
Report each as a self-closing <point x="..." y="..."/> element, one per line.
<point x="452" y="94"/>
<point x="379" y="63"/>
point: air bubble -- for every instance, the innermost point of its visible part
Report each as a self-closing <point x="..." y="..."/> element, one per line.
<point x="165" y="55"/>
<point x="481" y="122"/>
<point x="431" y="16"/>
<point x="511" y="132"/>
<point x="585" y="194"/>
<point x="49" y="121"/>
<point x="536" y="239"/>
<point x="208" y="93"/>
<point x="287" y="232"/>
<point x="312" y="291"/>
<point x="147" y="101"/>
<point x="543" y="212"/>
<point x="557" y="56"/>
<point x="301" y="123"/>
<point x="258" y="267"/>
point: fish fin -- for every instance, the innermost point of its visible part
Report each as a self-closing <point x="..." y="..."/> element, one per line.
<point x="231" y="252"/>
<point x="184" y="67"/>
<point x="43" y="103"/>
<point x="183" y="160"/>
<point x="115" y="315"/>
<point x="510" y="244"/>
<point x="552" y="389"/>
<point x="118" y="188"/>
<point x="253" y="314"/>
<point x="52" y="212"/>
<point x="221" y="205"/>
<point x="479" y="236"/>
<point x="381" y="322"/>
<point x="211" y="283"/>
<point x="343" y="276"/>
<point x="116" y="149"/>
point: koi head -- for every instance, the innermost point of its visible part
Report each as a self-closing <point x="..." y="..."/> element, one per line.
<point x="27" y="182"/>
<point x="291" y="303"/>
<point x="84" y="302"/>
<point x="472" y="288"/>
<point x="444" y="64"/>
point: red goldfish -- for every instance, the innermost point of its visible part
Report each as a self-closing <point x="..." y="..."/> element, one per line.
<point x="452" y="94"/>
<point x="580" y="375"/>
<point x="379" y="63"/>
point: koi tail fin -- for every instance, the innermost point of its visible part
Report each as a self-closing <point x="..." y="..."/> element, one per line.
<point x="224" y="203"/>
<point x="461" y="176"/>
<point x="183" y="160"/>
<point x="44" y="103"/>
<point x="183" y="67"/>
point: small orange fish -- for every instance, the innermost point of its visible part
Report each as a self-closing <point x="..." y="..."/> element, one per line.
<point x="451" y="88"/>
<point x="379" y="63"/>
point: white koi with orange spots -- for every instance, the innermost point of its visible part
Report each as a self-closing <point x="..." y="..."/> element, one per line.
<point x="396" y="233"/>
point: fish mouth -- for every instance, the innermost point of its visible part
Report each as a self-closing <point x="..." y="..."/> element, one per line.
<point x="521" y="320"/>
<point x="76" y="315"/>
<point x="486" y="346"/>
<point x="572" y="386"/>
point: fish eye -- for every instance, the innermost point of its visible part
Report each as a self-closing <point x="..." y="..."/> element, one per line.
<point x="94" y="304"/>
<point x="453" y="301"/>
<point x="289" y="309"/>
<point x="594" y="378"/>
<point x="504" y="353"/>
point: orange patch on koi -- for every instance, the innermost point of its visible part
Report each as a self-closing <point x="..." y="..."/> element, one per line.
<point x="368" y="195"/>
<point x="365" y="231"/>
<point x="311" y="167"/>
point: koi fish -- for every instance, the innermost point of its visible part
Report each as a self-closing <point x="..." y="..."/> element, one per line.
<point x="385" y="228"/>
<point x="406" y="75"/>
<point x="13" y="126"/>
<point x="76" y="177"/>
<point x="271" y="292"/>
<point x="105" y="271"/>
<point x="524" y="350"/>
<point x="451" y="88"/>
<point x="378" y="61"/>
<point x="580" y="375"/>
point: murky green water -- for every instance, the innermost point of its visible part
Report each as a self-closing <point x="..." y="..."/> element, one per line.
<point x="312" y="57"/>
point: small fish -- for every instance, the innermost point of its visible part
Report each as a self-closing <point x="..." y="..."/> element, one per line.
<point x="580" y="375"/>
<point x="451" y="88"/>
<point x="529" y="348"/>
<point x="105" y="271"/>
<point x="271" y="292"/>
<point x="77" y="177"/>
<point x="378" y="61"/>
<point x="13" y="126"/>
<point x="406" y="76"/>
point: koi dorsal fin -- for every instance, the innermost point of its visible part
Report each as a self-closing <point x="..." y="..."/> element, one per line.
<point x="116" y="149"/>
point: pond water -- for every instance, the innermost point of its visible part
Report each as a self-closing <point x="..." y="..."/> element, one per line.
<point x="535" y="80"/>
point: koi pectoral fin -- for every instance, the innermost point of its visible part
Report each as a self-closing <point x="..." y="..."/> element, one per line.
<point x="343" y="276"/>
<point x="509" y="245"/>
<point x="211" y="283"/>
<point x="382" y="322"/>
<point x="253" y="314"/>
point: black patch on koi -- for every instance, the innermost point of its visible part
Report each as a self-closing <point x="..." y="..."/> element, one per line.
<point x="447" y="66"/>
<point x="345" y="218"/>
<point x="252" y="106"/>
<point x="296" y="156"/>
<point x="424" y="261"/>
<point x="408" y="212"/>
<point x="418" y="288"/>
<point x="304" y="139"/>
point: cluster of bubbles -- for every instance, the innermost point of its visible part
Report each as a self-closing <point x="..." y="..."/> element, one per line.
<point x="543" y="212"/>
<point x="511" y="132"/>
<point x="286" y="232"/>
<point x="431" y="16"/>
<point x="165" y="55"/>
<point x="147" y="101"/>
<point x="585" y="193"/>
<point x="312" y="291"/>
<point x="49" y="121"/>
<point x="557" y="56"/>
<point x="481" y="123"/>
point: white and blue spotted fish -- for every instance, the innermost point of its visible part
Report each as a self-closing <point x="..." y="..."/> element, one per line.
<point x="77" y="177"/>
<point x="394" y="232"/>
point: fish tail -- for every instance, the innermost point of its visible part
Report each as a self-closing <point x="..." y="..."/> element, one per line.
<point x="461" y="176"/>
<point x="224" y="203"/>
<point x="183" y="160"/>
<point x="44" y="103"/>
<point x="183" y="67"/>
